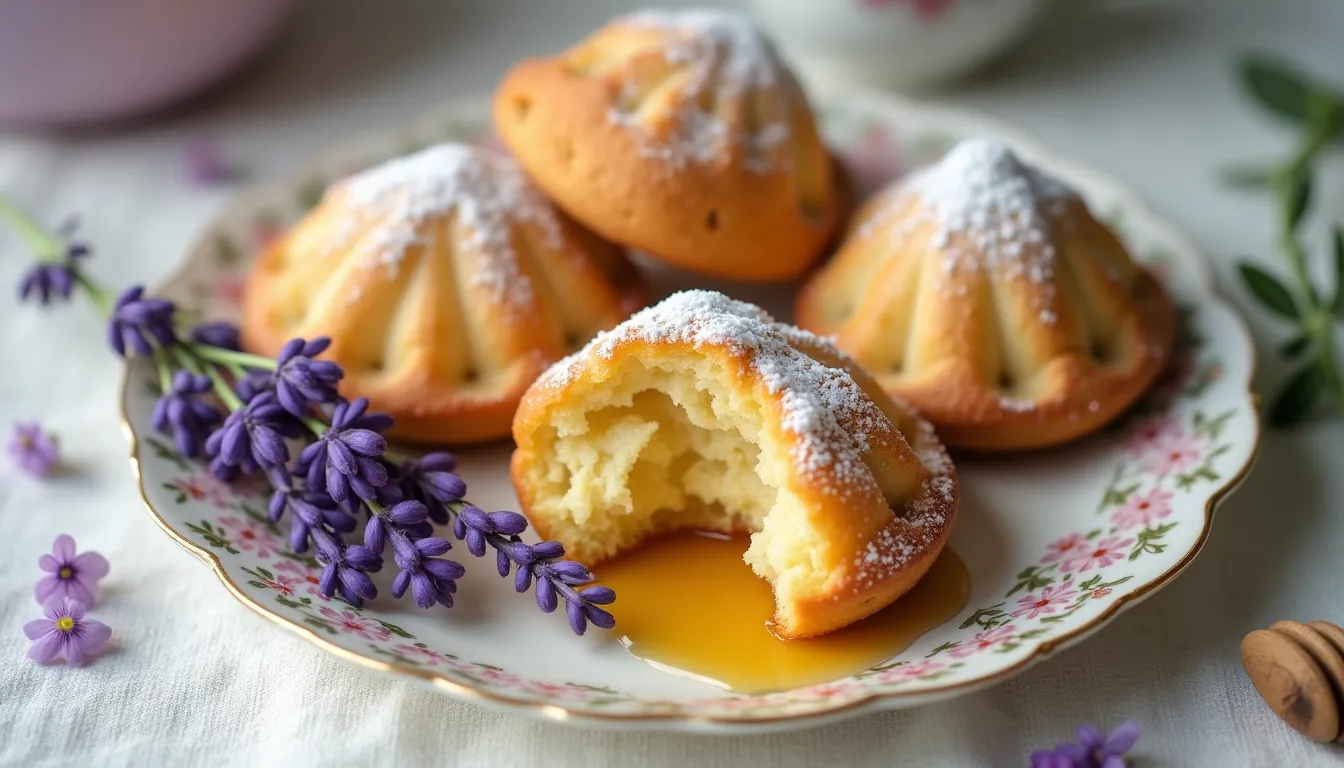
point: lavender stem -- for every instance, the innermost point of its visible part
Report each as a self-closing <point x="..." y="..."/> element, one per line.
<point x="229" y="357"/>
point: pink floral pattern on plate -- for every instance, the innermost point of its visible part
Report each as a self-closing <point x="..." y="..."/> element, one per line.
<point x="1140" y="510"/>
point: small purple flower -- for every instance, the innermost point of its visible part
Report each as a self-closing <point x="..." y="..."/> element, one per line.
<point x="558" y="578"/>
<point x="432" y="482"/>
<point x="66" y="632"/>
<point x="310" y="510"/>
<point x="415" y="552"/>
<point x="346" y="567"/>
<point x="44" y="281"/>
<point x="203" y="164"/>
<point x="253" y="435"/>
<point x="47" y="280"/>
<point x="70" y="575"/>
<point x="136" y="320"/>
<point x="182" y="414"/>
<point x="473" y="525"/>
<point x="218" y="334"/>
<point x="346" y="458"/>
<point x="430" y="578"/>
<point x="1093" y="750"/>
<point x="32" y="450"/>
<point x="300" y="381"/>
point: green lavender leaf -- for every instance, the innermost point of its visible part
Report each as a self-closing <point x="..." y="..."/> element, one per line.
<point x="1299" y="198"/>
<point x="1278" y="87"/>
<point x="1268" y="290"/>
<point x="1295" y="347"/>
<point x="1248" y="176"/>
<point x="1337" y="304"/>
<point x="1296" y="399"/>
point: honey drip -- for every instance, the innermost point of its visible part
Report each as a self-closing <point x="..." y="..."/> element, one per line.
<point x="689" y="605"/>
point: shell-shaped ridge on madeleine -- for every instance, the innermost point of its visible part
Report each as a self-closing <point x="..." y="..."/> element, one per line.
<point x="446" y="281"/>
<point x="987" y="293"/>
<point x="704" y="413"/>
<point x="682" y="134"/>
<point x="698" y="85"/>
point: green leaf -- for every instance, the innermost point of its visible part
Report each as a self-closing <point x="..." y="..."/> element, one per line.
<point x="1338" y="302"/>
<point x="396" y="630"/>
<point x="1296" y="399"/>
<point x="1279" y="88"/>
<point x="1299" y="198"/>
<point x="1268" y="290"/>
<point x="1248" y="176"/>
<point x="1212" y="427"/>
<point x="1295" y="347"/>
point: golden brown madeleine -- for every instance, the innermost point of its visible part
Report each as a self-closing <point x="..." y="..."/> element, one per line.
<point x="447" y="284"/>
<point x="703" y="413"/>
<point x="681" y="134"/>
<point x="985" y="293"/>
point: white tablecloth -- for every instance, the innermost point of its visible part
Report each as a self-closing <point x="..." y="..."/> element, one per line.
<point x="1143" y="92"/>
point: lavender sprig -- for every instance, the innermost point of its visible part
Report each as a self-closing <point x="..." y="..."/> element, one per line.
<point x="542" y="563"/>
<point x="343" y="472"/>
<point x="59" y="259"/>
<point x="182" y="413"/>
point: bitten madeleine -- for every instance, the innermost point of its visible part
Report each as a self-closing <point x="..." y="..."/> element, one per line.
<point x="447" y="284"/>
<point x="985" y="293"/>
<point x="681" y="134"/>
<point x="703" y="413"/>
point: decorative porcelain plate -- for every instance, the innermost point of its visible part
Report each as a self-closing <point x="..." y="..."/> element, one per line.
<point x="1057" y="543"/>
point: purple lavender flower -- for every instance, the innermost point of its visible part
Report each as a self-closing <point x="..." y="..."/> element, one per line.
<point x="432" y="482"/>
<point x="218" y="334"/>
<point x="473" y="526"/>
<point x="66" y="632"/>
<point x="44" y="281"/>
<point x="182" y="414"/>
<point x="430" y="579"/>
<point x="32" y="450"/>
<point x="346" y="456"/>
<point x="136" y="320"/>
<point x="253" y="435"/>
<point x="300" y="381"/>
<point x="558" y="578"/>
<point x="310" y="510"/>
<point x="346" y="567"/>
<point x="71" y="575"/>
<point x="47" y="280"/>
<point x="1093" y="750"/>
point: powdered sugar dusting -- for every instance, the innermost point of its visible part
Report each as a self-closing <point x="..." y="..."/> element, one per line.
<point x="823" y="406"/>
<point x="991" y="211"/>
<point x="487" y="193"/>
<point x="728" y="59"/>
<point x="916" y="530"/>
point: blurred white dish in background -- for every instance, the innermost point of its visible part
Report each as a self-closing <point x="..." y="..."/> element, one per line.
<point x="67" y="63"/>
<point x="905" y="44"/>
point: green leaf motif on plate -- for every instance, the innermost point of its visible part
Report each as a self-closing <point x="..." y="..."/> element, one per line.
<point x="213" y="535"/>
<point x="167" y="452"/>
<point x="1030" y="579"/>
<point x="1149" y="540"/>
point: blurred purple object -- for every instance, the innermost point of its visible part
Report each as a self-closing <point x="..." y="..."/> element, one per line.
<point x="204" y="163"/>
<point x="70" y="62"/>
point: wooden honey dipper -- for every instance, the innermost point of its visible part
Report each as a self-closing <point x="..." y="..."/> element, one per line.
<point x="1299" y="671"/>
